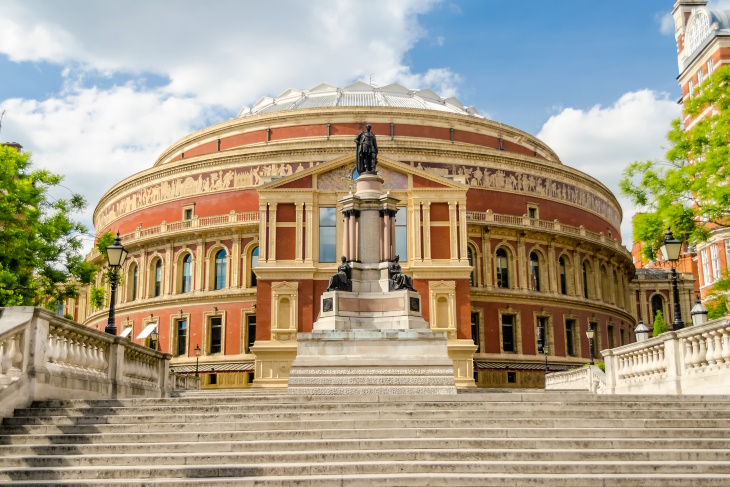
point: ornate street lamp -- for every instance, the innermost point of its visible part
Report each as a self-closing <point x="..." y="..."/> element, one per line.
<point x="197" y="355"/>
<point x="153" y="338"/>
<point x="115" y="254"/>
<point x="670" y="251"/>
<point x="698" y="313"/>
<point x="641" y="332"/>
<point x="590" y="334"/>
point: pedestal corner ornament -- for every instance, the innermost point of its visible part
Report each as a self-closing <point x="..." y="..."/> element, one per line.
<point x="370" y="336"/>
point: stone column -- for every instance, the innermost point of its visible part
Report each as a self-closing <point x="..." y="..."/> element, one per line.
<point x="597" y="278"/>
<point x="357" y="236"/>
<point x="392" y="234"/>
<point x="463" y="234"/>
<point x="577" y="274"/>
<point x="416" y="237"/>
<point x="487" y="258"/>
<point x="552" y="268"/>
<point x="309" y="226"/>
<point x="381" y="229"/>
<point x="143" y="274"/>
<point x="386" y="236"/>
<point x="612" y="285"/>
<point x="272" y="231"/>
<point x="262" y="233"/>
<point x="168" y="268"/>
<point x="427" y="231"/>
<point x="299" y="230"/>
<point x="642" y="305"/>
<point x="453" y="238"/>
<point x="199" y="262"/>
<point x="346" y="249"/>
<point x="235" y="260"/>
<point x="521" y="263"/>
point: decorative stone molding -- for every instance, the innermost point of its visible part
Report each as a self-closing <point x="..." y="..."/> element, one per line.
<point x="442" y="307"/>
<point x="284" y="311"/>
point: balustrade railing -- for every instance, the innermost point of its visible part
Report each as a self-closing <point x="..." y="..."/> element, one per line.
<point x="45" y="357"/>
<point x="694" y="360"/>
<point x="588" y="378"/>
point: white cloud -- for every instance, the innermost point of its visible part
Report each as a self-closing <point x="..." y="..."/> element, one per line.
<point x="666" y="24"/>
<point x="229" y="52"/>
<point x="602" y="141"/>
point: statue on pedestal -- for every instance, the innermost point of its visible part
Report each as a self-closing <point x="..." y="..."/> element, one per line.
<point x="398" y="280"/>
<point x="367" y="151"/>
<point x="341" y="281"/>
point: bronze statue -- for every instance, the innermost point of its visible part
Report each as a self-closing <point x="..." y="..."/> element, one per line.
<point x="341" y="281"/>
<point x="367" y="151"/>
<point x="398" y="280"/>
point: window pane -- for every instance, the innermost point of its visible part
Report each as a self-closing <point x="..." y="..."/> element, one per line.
<point x="215" y="335"/>
<point x="569" y="326"/>
<point x="534" y="272"/>
<point x="508" y="342"/>
<point x="502" y="273"/>
<point x="401" y="234"/>
<point x="251" y="332"/>
<point x="254" y="264"/>
<point x="182" y="333"/>
<point x="220" y="269"/>
<point x="470" y="257"/>
<point x="541" y="334"/>
<point x="327" y="235"/>
<point x="134" y="284"/>
<point x="158" y="278"/>
<point x="475" y="330"/>
<point x="187" y="274"/>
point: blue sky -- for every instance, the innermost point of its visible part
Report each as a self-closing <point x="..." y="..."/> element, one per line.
<point x="98" y="89"/>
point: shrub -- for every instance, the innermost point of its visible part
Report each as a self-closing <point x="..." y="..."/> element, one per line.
<point x="659" y="325"/>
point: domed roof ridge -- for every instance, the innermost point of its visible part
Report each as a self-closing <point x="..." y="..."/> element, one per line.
<point x="358" y="93"/>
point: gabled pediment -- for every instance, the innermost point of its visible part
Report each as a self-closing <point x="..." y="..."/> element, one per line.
<point x="336" y="175"/>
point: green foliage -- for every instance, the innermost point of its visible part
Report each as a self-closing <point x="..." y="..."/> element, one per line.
<point x="40" y="261"/>
<point x="102" y="242"/>
<point x="68" y="316"/>
<point x="97" y="297"/>
<point x="717" y="308"/>
<point x="689" y="190"/>
<point x="659" y="325"/>
<point x="600" y="365"/>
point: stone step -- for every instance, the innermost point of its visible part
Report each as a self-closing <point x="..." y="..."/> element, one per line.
<point x="416" y="480"/>
<point x="358" y="468"/>
<point x="220" y="423"/>
<point x="67" y="420"/>
<point x="601" y="444"/>
<point x="132" y="457"/>
<point x="363" y="433"/>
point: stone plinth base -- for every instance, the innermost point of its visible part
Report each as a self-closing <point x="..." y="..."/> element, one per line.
<point x="396" y="310"/>
<point x="372" y="362"/>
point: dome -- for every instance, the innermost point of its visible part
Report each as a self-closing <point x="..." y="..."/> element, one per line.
<point x="358" y="94"/>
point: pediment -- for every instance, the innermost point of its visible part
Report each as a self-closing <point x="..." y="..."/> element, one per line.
<point x="336" y="175"/>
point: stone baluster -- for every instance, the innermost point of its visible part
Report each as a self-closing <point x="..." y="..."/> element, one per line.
<point x="710" y="354"/>
<point x="687" y="347"/>
<point x="726" y="345"/>
<point x="703" y="350"/>
<point x="5" y="363"/>
<point x="717" y="337"/>
<point x="662" y="359"/>
<point x="695" y="352"/>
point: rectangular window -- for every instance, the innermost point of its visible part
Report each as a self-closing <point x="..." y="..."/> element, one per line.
<point x="691" y="88"/>
<point x="542" y="337"/>
<point x="622" y="336"/>
<point x="700" y="78"/>
<point x="134" y="283"/>
<point x="710" y="67"/>
<point x="508" y="333"/>
<point x="597" y="331"/>
<point x="727" y="254"/>
<point x="251" y="337"/>
<point x="705" y="267"/>
<point x="188" y="214"/>
<point x="327" y="234"/>
<point x="475" y="330"/>
<point x="569" y="336"/>
<point x="511" y="377"/>
<point x="532" y="212"/>
<point x="213" y="379"/>
<point x="401" y="233"/>
<point x="182" y="334"/>
<point x="715" y="262"/>
<point x="216" y="327"/>
<point x="158" y="278"/>
<point x="611" y="343"/>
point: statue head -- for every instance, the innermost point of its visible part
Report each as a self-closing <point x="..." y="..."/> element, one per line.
<point x="343" y="259"/>
<point x="397" y="257"/>
<point x="368" y="127"/>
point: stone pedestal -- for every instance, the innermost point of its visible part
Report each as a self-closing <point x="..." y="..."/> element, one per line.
<point x="371" y="340"/>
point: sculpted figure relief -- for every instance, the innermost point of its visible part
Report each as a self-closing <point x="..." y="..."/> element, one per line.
<point x="398" y="280"/>
<point x="367" y="151"/>
<point x="341" y="281"/>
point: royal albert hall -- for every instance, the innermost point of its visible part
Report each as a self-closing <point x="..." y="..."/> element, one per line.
<point x="235" y="230"/>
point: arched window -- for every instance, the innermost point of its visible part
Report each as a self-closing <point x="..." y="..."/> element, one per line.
<point x="501" y="264"/>
<point x="254" y="263"/>
<point x="657" y="304"/>
<point x="187" y="274"/>
<point x="563" y="276"/>
<point x="158" y="277"/>
<point x="220" y="269"/>
<point x="470" y="257"/>
<point x="132" y="276"/>
<point x="534" y="272"/>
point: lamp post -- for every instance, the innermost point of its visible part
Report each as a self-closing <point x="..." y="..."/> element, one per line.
<point x="197" y="356"/>
<point x="698" y="313"/>
<point x="641" y="332"/>
<point x="153" y="338"/>
<point x="115" y="254"/>
<point x="545" y="350"/>
<point x="670" y="251"/>
<point x="590" y="334"/>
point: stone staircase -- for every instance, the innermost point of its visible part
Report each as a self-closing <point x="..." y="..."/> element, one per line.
<point x="476" y="438"/>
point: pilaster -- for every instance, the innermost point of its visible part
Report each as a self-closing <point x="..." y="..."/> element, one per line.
<point x="453" y="236"/>
<point x="521" y="267"/>
<point x="308" y="223"/>
<point x="168" y="268"/>
<point x="416" y="234"/>
<point x="427" y="231"/>
<point x="642" y="305"/>
<point x="552" y="268"/>
<point x="597" y="278"/>
<point x="577" y="274"/>
<point x="235" y="260"/>
<point x="487" y="259"/>
<point x="199" y="262"/>
<point x="272" y="231"/>
<point x="299" y="232"/>
<point x="463" y="234"/>
<point x="263" y="255"/>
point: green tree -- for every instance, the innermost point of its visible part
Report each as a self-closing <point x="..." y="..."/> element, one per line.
<point x="40" y="260"/>
<point x="659" y="325"/>
<point x="688" y="191"/>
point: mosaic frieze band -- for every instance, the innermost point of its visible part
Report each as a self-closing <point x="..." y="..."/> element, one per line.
<point x="340" y="179"/>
